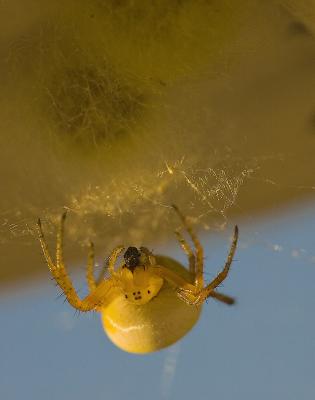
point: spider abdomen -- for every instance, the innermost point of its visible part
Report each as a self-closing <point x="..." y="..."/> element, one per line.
<point x="151" y="326"/>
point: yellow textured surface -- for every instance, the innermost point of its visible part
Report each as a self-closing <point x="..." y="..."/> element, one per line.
<point x="114" y="110"/>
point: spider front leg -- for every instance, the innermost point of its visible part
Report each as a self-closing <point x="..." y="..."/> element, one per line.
<point x="109" y="266"/>
<point x="99" y="294"/>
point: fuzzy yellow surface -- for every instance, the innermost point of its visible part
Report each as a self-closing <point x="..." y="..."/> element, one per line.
<point x="114" y="110"/>
<point x="154" y="325"/>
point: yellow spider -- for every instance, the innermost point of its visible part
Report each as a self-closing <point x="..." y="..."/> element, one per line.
<point x="149" y="302"/>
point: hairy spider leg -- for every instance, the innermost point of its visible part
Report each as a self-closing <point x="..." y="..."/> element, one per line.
<point x="91" y="281"/>
<point x="222" y="297"/>
<point x="102" y="273"/>
<point x="199" y="250"/>
<point x="192" y="294"/>
<point x="90" y="268"/>
<point x="109" y="265"/>
<point x="200" y="296"/>
<point x="112" y="259"/>
<point x="59" y="273"/>
<point x="188" y="251"/>
<point x="149" y="254"/>
<point x="206" y="292"/>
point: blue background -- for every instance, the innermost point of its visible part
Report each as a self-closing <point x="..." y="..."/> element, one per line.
<point x="261" y="348"/>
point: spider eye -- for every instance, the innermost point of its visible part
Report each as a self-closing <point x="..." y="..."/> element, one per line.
<point x="131" y="257"/>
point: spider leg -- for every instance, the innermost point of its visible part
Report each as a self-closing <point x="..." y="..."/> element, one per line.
<point x="188" y="251"/>
<point x="192" y="294"/>
<point x="92" y="282"/>
<point x="208" y="291"/>
<point x="174" y="279"/>
<point x="223" y="274"/>
<point x="44" y="246"/>
<point x="102" y="273"/>
<point x="90" y="268"/>
<point x="107" y="262"/>
<point x="60" y="236"/>
<point x="186" y="291"/>
<point x="222" y="297"/>
<point x="149" y="254"/>
<point x="59" y="273"/>
<point x="112" y="259"/>
<point x="198" y="248"/>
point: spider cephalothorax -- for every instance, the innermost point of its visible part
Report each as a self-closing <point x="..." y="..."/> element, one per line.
<point x="136" y="278"/>
<point x="140" y="285"/>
